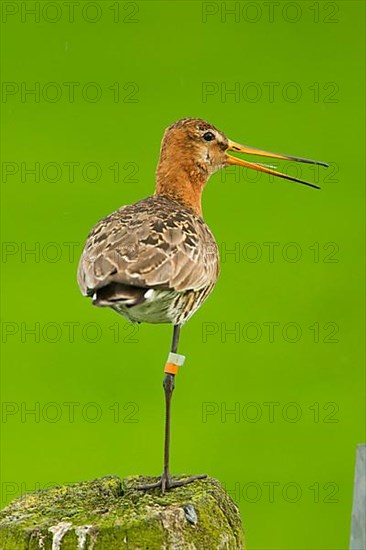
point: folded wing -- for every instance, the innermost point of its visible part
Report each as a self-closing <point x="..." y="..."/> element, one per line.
<point x="154" y="243"/>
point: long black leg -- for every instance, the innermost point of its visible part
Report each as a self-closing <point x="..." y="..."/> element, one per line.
<point x="168" y="385"/>
<point x="166" y="482"/>
<point x="176" y="333"/>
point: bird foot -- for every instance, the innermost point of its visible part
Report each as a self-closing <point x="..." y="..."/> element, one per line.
<point x="166" y="483"/>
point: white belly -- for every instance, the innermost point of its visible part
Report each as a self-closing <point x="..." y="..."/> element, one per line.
<point x="157" y="308"/>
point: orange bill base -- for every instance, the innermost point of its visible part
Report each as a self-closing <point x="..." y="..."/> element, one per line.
<point x="174" y="361"/>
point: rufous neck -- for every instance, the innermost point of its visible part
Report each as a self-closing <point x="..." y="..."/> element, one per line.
<point x="182" y="182"/>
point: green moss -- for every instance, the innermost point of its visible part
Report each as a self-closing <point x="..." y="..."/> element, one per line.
<point x="109" y="514"/>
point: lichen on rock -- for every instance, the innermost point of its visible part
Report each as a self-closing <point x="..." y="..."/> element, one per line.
<point x="111" y="514"/>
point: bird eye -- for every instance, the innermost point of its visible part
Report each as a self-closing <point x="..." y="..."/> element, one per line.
<point x="208" y="136"/>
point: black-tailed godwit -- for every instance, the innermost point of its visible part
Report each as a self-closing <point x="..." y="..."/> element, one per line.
<point x="156" y="261"/>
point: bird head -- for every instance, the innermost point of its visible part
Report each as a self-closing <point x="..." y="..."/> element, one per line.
<point x="193" y="149"/>
<point x="202" y="145"/>
<point x="196" y="144"/>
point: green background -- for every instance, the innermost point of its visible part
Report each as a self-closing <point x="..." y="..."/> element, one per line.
<point x="168" y="52"/>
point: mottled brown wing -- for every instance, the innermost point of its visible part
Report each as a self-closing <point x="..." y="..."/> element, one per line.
<point x="155" y="243"/>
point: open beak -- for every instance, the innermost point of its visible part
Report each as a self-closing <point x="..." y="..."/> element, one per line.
<point x="262" y="167"/>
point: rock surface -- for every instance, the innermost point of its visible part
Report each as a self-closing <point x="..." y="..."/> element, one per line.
<point x="111" y="514"/>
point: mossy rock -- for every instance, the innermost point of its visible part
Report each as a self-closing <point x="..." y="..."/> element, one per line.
<point x="110" y="514"/>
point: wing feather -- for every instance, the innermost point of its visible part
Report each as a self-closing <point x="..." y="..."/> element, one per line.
<point x="155" y="243"/>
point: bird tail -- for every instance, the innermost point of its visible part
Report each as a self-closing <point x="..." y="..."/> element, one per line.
<point x="114" y="293"/>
